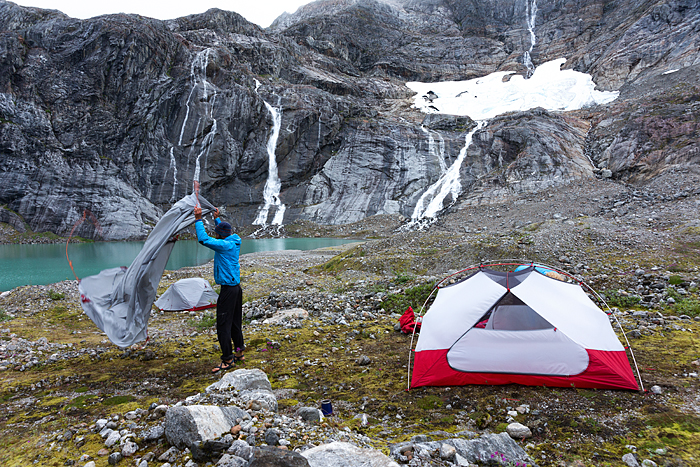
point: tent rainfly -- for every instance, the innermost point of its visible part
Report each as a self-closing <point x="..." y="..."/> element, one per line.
<point x="191" y="294"/>
<point x="523" y="327"/>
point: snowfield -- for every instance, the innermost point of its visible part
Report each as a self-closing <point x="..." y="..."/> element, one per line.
<point x="483" y="98"/>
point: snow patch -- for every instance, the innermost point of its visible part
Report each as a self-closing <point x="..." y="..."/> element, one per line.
<point x="484" y="98"/>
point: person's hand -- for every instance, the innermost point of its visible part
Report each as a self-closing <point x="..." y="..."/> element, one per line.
<point x="198" y="213"/>
<point x="216" y="213"/>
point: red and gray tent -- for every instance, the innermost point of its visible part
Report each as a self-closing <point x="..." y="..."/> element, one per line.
<point x="523" y="327"/>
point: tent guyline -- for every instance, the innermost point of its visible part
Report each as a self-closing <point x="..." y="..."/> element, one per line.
<point x="86" y="215"/>
<point x="535" y="325"/>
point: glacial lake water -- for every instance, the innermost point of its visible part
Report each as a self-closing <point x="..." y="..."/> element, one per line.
<point x="47" y="264"/>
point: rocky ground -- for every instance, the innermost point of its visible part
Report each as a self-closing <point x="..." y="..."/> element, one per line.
<point x="62" y="381"/>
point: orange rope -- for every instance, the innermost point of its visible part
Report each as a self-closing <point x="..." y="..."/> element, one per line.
<point x="93" y="219"/>
<point x="195" y="185"/>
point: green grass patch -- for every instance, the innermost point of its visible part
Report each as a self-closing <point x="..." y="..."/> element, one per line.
<point x="533" y="227"/>
<point x="377" y="288"/>
<point x="688" y="306"/>
<point x="82" y="401"/>
<point x="118" y="400"/>
<point x="413" y="297"/>
<point x="675" y="280"/>
<point x="56" y="295"/>
<point x="614" y="298"/>
<point x="501" y="428"/>
<point x="287" y="403"/>
<point x="402" y="278"/>
<point x="684" y="305"/>
<point x="675" y="420"/>
<point x="429" y="402"/>
<point x="4" y="316"/>
<point x="206" y="322"/>
<point x="339" y="262"/>
<point x="51" y="401"/>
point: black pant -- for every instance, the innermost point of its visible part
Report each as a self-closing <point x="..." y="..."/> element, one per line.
<point x="229" y="317"/>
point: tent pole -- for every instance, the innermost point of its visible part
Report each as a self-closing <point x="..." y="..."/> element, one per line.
<point x="408" y="367"/>
<point x="419" y="319"/>
<point x="641" y="385"/>
<point x="624" y="334"/>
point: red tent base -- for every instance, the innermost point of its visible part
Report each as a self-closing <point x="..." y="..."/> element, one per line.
<point x="606" y="370"/>
<point x="197" y="308"/>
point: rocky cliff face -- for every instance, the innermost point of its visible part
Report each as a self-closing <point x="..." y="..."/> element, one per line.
<point x="120" y="114"/>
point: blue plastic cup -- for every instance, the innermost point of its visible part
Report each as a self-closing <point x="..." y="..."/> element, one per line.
<point x="326" y="407"/>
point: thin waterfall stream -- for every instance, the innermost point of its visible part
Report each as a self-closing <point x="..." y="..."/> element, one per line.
<point x="531" y="14"/>
<point x="273" y="185"/>
<point x="433" y="199"/>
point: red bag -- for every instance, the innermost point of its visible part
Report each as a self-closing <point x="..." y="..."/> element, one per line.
<point x="408" y="322"/>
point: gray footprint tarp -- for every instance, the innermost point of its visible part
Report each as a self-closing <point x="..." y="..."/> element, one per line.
<point x="119" y="300"/>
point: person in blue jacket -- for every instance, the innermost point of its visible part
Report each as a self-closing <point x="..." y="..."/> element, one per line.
<point x="227" y="273"/>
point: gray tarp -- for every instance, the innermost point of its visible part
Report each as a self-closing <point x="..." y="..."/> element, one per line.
<point x="119" y="300"/>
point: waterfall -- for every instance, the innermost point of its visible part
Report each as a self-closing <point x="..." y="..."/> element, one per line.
<point x="531" y="13"/>
<point x="437" y="151"/>
<point x="199" y="70"/>
<point x="273" y="184"/>
<point x="204" y="92"/>
<point x="432" y="200"/>
<point x="173" y="166"/>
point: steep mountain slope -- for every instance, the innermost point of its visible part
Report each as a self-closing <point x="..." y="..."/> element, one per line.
<point x="119" y="114"/>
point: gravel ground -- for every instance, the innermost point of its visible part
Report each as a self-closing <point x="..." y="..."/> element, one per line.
<point x="641" y="243"/>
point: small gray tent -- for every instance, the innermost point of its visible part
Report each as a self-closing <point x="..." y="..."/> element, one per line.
<point x="188" y="295"/>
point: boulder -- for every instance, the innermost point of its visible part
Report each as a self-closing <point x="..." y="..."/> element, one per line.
<point x="112" y="439"/>
<point x="518" y="431"/>
<point x="242" y="380"/>
<point x="129" y="449"/>
<point x="267" y="456"/>
<point x="285" y="316"/>
<point x="272" y="437"/>
<point x="338" y="454"/>
<point x="9" y="217"/>
<point x="153" y="433"/>
<point x="240" y="449"/>
<point x="310" y="414"/>
<point x="228" y="460"/>
<point x="266" y="399"/>
<point x="630" y="460"/>
<point x="447" y="452"/>
<point x="206" y="450"/>
<point x="170" y="455"/>
<point x="186" y="426"/>
<point x="473" y="450"/>
<point x="115" y="458"/>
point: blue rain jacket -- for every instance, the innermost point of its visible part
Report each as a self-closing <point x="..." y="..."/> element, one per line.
<point x="227" y="270"/>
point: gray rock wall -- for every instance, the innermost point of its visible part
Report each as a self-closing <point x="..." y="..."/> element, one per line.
<point x="117" y="114"/>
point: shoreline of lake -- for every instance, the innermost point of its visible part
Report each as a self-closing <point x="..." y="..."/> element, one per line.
<point x="43" y="264"/>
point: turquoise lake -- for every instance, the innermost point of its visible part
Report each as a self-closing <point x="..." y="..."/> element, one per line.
<point x="47" y="264"/>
